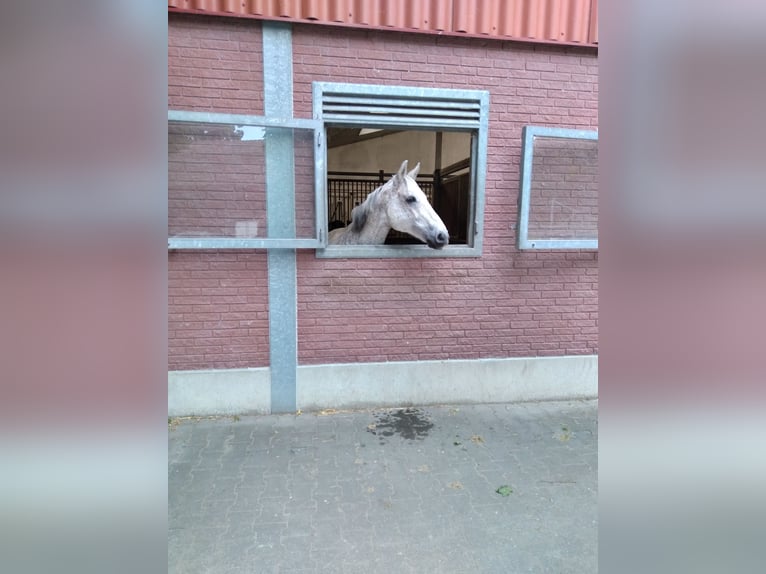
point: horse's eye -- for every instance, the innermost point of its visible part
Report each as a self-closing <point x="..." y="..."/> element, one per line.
<point x="412" y="199"/>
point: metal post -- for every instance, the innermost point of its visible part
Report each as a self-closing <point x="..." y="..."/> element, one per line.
<point x="280" y="209"/>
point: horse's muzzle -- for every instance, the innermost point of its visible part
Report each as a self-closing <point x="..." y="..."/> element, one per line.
<point x="438" y="240"/>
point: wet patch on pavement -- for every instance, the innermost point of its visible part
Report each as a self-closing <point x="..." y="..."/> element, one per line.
<point x="410" y="424"/>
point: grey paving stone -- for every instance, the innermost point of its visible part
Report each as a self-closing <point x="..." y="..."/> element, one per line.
<point x="388" y="490"/>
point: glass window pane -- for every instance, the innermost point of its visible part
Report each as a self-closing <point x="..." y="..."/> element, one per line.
<point x="564" y="190"/>
<point x="217" y="179"/>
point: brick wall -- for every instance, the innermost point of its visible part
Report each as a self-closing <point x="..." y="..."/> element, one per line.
<point x="217" y="301"/>
<point x="505" y="304"/>
<point x="215" y="64"/>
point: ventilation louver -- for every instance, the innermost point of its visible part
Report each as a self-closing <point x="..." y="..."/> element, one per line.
<point x="412" y="107"/>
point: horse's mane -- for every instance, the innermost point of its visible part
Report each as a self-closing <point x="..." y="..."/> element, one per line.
<point x="360" y="212"/>
<point x="359" y="216"/>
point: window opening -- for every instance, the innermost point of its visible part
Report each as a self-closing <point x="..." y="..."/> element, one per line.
<point x="370" y="130"/>
<point x="354" y="160"/>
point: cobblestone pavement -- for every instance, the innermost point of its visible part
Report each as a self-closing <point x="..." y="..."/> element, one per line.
<point x="390" y="490"/>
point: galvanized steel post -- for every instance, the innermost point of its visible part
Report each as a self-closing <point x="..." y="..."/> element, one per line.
<point x="280" y="209"/>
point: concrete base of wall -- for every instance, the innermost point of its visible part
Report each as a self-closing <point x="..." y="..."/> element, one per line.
<point x="360" y="385"/>
<point x="219" y="392"/>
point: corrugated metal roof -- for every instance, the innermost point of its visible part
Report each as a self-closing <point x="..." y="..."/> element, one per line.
<point x="547" y="21"/>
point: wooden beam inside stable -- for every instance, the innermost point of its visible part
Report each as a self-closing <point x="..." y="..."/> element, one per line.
<point x="337" y="137"/>
<point x="438" y="152"/>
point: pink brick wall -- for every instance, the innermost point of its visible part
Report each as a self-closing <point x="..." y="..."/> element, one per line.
<point x="217" y="310"/>
<point x="215" y="64"/>
<point x="217" y="301"/>
<point x="505" y="304"/>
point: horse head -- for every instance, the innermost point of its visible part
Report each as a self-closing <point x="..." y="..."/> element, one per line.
<point x="409" y="211"/>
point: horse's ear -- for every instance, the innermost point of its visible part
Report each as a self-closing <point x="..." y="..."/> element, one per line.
<point x="414" y="173"/>
<point x="402" y="170"/>
<point x="358" y="217"/>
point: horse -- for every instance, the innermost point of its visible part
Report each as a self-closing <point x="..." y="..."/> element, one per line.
<point x="398" y="204"/>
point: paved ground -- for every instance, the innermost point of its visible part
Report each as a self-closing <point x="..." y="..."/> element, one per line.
<point x="411" y="490"/>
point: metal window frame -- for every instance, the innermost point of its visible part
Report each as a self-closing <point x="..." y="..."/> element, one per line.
<point x="528" y="136"/>
<point x="318" y="242"/>
<point x="477" y="128"/>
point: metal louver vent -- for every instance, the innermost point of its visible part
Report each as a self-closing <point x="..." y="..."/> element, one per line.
<point x="397" y="106"/>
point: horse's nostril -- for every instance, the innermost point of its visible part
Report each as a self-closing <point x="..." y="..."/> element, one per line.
<point x="437" y="240"/>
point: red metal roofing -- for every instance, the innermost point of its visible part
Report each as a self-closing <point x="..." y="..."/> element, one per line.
<point x="548" y="21"/>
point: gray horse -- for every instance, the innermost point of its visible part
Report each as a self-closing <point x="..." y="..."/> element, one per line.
<point x="398" y="204"/>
